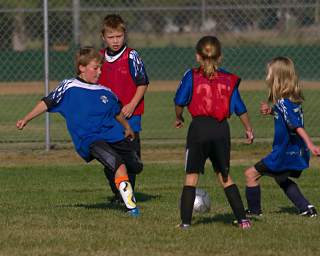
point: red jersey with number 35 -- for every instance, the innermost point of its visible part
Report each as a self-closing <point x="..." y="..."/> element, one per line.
<point x="117" y="77"/>
<point x="211" y="97"/>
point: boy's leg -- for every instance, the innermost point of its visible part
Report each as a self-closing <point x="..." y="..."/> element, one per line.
<point x="123" y="184"/>
<point x="253" y="191"/>
<point x="106" y="155"/>
<point x="136" y="145"/>
<point x="129" y="153"/>
<point x="110" y="178"/>
<point x="187" y="198"/>
<point x="292" y="191"/>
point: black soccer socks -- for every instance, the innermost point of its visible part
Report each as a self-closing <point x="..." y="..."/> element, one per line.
<point x="253" y="195"/>
<point x="235" y="201"/>
<point x="187" y="200"/>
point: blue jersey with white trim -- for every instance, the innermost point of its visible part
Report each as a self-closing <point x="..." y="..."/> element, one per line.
<point x="184" y="94"/>
<point x="89" y="111"/>
<point x="289" y="152"/>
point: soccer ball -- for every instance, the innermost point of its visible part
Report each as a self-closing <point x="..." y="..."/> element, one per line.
<point x="202" y="201"/>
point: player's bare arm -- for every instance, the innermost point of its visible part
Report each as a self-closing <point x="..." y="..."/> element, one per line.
<point x="128" y="109"/>
<point x="306" y="138"/>
<point x="40" y="108"/>
<point x="244" y="118"/>
<point x="127" y="128"/>
<point x="179" y="118"/>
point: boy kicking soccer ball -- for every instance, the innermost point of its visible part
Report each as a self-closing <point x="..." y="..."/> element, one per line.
<point x="94" y="120"/>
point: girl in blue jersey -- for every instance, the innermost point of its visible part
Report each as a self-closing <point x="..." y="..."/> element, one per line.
<point x="94" y="120"/>
<point x="291" y="144"/>
<point x="211" y="95"/>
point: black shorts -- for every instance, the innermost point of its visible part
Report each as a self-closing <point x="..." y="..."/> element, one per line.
<point x="208" y="138"/>
<point x="112" y="155"/>
<point x="264" y="170"/>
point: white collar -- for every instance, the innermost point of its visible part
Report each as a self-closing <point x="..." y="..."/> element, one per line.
<point x="109" y="58"/>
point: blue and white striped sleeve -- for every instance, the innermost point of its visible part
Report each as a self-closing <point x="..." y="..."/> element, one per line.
<point x="236" y="105"/>
<point x="184" y="91"/>
<point x="137" y="69"/>
<point x="292" y="113"/>
<point x="56" y="95"/>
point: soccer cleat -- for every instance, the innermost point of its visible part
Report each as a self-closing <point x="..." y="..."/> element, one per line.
<point x="134" y="212"/>
<point x="183" y="226"/>
<point x="251" y="214"/>
<point x="243" y="224"/>
<point x="310" y="212"/>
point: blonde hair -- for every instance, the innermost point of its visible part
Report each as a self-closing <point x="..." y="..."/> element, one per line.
<point x="209" y="50"/>
<point x="282" y="80"/>
<point x="113" y="21"/>
<point x="85" y="55"/>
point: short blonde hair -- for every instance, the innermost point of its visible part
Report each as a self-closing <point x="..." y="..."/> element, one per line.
<point x="85" y="55"/>
<point x="283" y="81"/>
<point x="113" y="21"/>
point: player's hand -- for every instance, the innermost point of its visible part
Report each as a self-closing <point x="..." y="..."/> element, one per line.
<point x="21" y="124"/>
<point x="265" y="109"/>
<point x="129" y="133"/>
<point x="128" y="110"/>
<point x="315" y="150"/>
<point x="250" y="136"/>
<point x="179" y="122"/>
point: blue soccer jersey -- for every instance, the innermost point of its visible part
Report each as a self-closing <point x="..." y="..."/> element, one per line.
<point x="289" y="152"/>
<point x="184" y="94"/>
<point x="89" y="111"/>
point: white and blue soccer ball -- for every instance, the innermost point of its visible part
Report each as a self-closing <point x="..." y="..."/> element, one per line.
<point x="202" y="202"/>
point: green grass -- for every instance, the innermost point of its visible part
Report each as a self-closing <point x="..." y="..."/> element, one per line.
<point x="158" y="119"/>
<point x="55" y="210"/>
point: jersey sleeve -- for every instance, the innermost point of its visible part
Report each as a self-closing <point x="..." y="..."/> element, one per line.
<point x="55" y="97"/>
<point x="292" y="113"/>
<point x="236" y="104"/>
<point x="184" y="92"/>
<point x="114" y="103"/>
<point x="137" y="69"/>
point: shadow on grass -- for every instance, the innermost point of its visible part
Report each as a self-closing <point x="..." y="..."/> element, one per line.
<point x="288" y="210"/>
<point x="226" y="218"/>
<point x="141" y="197"/>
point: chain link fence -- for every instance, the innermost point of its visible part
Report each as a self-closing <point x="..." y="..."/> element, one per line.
<point x="164" y="33"/>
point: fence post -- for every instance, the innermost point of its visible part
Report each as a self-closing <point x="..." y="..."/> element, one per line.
<point x="46" y="68"/>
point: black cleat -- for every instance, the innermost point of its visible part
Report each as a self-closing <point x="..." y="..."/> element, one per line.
<point x="310" y="212"/>
<point x="251" y="214"/>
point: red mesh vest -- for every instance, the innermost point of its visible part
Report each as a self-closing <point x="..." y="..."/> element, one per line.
<point x="116" y="76"/>
<point x="211" y="97"/>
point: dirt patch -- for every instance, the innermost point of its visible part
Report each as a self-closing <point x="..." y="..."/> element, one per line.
<point x="14" y="88"/>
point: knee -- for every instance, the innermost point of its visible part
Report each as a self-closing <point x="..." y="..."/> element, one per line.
<point x="134" y="164"/>
<point x="251" y="176"/>
<point x="135" y="168"/>
<point x="191" y="179"/>
<point x="284" y="184"/>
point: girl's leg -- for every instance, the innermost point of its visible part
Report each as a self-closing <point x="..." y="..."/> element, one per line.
<point x="292" y="191"/>
<point x="253" y="191"/>
<point x="187" y="198"/>
<point x="233" y="195"/>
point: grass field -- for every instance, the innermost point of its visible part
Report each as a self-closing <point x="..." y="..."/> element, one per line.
<point x="157" y="121"/>
<point x="51" y="206"/>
